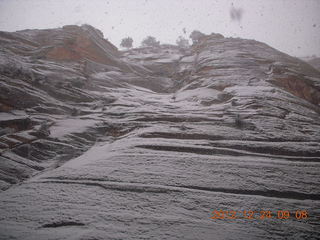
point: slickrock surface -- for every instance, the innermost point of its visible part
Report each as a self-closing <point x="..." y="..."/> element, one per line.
<point x="144" y="144"/>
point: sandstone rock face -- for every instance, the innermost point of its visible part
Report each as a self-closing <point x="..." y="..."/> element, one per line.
<point x="72" y="43"/>
<point x="315" y="62"/>
<point x="147" y="143"/>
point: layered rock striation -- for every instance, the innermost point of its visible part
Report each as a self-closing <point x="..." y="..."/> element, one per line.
<point x="144" y="144"/>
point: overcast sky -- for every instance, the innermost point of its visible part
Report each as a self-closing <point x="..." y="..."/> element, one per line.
<point x="291" y="26"/>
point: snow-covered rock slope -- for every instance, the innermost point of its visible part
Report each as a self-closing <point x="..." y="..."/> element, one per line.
<point x="145" y="144"/>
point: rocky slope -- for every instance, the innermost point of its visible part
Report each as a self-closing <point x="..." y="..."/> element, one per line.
<point x="146" y="143"/>
<point x="315" y="62"/>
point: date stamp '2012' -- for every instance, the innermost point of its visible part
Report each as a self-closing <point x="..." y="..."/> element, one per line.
<point x="250" y="214"/>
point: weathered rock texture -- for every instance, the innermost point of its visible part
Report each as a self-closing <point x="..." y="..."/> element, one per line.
<point x="145" y="144"/>
<point x="315" y="62"/>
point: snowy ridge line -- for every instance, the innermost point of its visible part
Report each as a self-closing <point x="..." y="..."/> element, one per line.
<point x="140" y="187"/>
<point x="196" y="136"/>
<point x="251" y="145"/>
<point x="236" y="160"/>
<point x="225" y="151"/>
<point x="119" y="186"/>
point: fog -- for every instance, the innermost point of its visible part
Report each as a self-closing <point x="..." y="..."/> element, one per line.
<point x="292" y="26"/>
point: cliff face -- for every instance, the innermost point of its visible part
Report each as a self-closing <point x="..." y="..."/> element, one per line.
<point x="70" y="43"/>
<point x="146" y="143"/>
